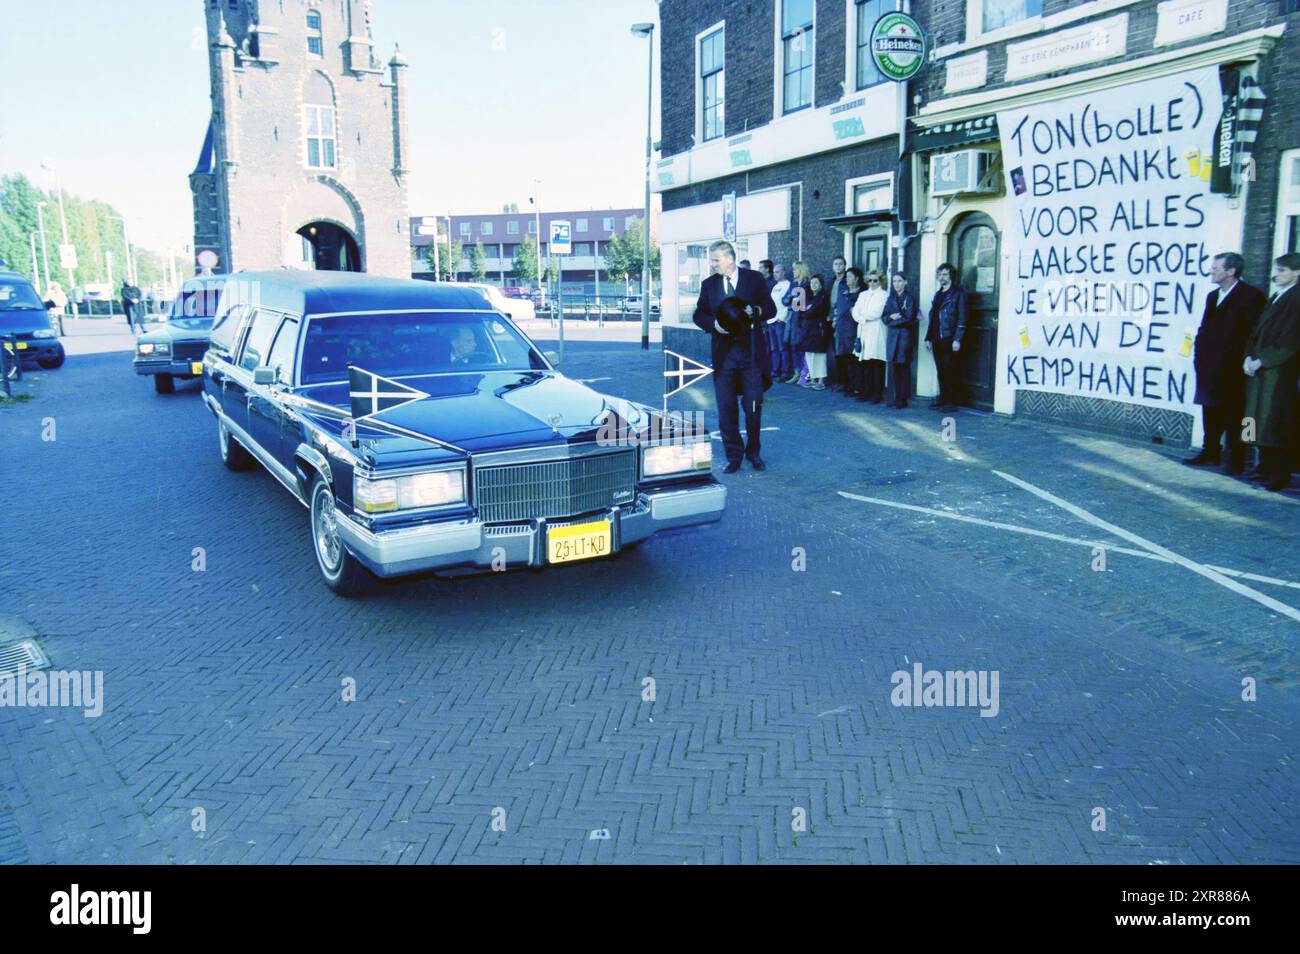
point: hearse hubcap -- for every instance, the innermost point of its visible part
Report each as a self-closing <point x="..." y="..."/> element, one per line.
<point x="325" y="531"/>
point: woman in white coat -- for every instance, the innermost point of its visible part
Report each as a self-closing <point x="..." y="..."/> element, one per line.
<point x="867" y="312"/>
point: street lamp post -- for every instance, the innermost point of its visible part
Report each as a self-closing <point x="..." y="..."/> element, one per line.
<point x="536" y="200"/>
<point x="646" y="30"/>
<point x="45" y="253"/>
<point x="63" y="221"/>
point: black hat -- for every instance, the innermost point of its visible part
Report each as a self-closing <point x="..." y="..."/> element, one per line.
<point x="731" y="315"/>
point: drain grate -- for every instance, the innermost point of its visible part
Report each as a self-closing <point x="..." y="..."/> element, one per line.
<point x="24" y="653"/>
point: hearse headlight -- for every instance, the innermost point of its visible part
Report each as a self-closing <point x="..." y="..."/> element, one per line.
<point x="663" y="459"/>
<point x="154" y="348"/>
<point x="436" y="489"/>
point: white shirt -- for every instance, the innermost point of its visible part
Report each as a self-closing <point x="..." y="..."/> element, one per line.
<point x="778" y="292"/>
<point x="1223" y="293"/>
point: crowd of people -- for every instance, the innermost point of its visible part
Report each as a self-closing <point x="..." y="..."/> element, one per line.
<point x="858" y="333"/>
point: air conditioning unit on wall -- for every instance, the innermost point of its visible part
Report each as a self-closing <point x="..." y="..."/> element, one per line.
<point x="967" y="170"/>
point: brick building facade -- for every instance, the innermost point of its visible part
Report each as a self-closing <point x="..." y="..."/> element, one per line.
<point x="305" y="159"/>
<point x="994" y="60"/>
<point x="775" y="103"/>
<point x="988" y="59"/>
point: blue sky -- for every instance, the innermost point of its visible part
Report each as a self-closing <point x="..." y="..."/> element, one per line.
<point x="115" y="97"/>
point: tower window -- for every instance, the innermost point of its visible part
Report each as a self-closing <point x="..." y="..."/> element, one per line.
<point x="319" y="121"/>
<point x="315" y="41"/>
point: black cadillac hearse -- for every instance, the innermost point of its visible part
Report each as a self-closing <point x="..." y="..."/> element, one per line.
<point x="424" y="431"/>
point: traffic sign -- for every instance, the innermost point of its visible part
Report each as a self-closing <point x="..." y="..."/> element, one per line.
<point x="729" y="216"/>
<point x="207" y="259"/>
<point x="426" y="230"/>
<point x="561" y="237"/>
<point x="68" y="257"/>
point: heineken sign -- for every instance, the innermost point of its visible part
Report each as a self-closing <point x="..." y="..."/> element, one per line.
<point x="898" y="46"/>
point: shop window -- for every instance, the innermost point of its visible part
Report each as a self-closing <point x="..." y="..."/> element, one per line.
<point x="868" y="12"/>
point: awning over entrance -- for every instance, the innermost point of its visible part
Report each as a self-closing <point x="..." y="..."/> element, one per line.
<point x="946" y="135"/>
<point x="846" y="223"/>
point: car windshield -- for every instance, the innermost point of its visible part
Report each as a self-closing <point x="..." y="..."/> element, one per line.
<point x="195" y="307"/>
<point x="18" y="295"/>
<point x="421" y="343"/>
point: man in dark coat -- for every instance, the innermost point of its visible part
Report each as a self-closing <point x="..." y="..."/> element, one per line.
<point x="1272" y="368"/>
<point x="901" y="317"/>
<point x="1231" y="311"/>
<point x="943" y="336"/>
<point x="741" y="364"/>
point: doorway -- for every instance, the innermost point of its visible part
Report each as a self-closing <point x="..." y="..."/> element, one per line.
<point x="871" y="249"/>
<point x="974" y="248"/>
<point x="327" y="247"/>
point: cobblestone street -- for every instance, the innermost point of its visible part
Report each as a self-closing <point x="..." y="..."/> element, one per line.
<point x="505" y="717"/>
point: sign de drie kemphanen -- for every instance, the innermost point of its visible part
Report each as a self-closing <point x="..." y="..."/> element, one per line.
<point x="1112" y="229"/>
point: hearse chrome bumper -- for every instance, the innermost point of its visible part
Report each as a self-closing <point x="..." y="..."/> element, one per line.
<point x="468" y="546"/>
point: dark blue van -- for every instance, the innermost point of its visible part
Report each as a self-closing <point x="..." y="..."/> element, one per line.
<point x="24" y="319"/>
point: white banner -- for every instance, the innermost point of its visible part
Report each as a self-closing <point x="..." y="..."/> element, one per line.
<point x="1110" y="233"/>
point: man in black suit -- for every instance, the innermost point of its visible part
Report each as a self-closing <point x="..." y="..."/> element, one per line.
<point x="741" y="363"/>
<point x="1231" y="311"/>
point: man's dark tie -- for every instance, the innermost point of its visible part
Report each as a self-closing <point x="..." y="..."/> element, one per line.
<point x="727" y="282"/>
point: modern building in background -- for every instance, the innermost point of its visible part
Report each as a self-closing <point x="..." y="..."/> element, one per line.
<point x="305" y="159"/>
<point x="501" y="234"/>
<point x="778" y="109"/>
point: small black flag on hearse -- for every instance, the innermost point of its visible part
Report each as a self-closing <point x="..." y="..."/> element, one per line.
<point x="680" y="372"/>
<point x="371" y="394"/>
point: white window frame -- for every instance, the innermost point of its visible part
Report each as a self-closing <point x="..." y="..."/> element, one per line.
<point x="851" y="46"/>
<point x="315" y="33"/>
<point x="778" y="59"/>
<point x="307" y="137"/>
<point x="699" y="84"/>
<point x="582" y="225"/>
<point x="849" y="186"/>
<point x="1288" y="200"/>
<point x="628" y="220"/>
<point x="485" y="228"/>
<point x="512" y="227"/>
<point x="975" y="24"/>
<point x="607" y="223"/>
<point x="466" y="229"/>
<point x="532" y="226"/>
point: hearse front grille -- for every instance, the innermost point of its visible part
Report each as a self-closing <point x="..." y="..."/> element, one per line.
<point x="189" y="350"/>
<point x="554" y="488"/>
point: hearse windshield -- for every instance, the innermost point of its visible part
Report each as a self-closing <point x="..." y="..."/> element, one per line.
<point x="195" y="307"/>
<point x="409" y="344"/>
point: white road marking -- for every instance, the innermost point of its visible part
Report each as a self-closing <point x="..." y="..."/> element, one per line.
<point x="1001" y="526"/>
<point x="1198" y="568"/>
<point x="1059" y="538"/>
<point x="717" y="435"/>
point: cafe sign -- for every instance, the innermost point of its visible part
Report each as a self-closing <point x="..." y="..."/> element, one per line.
<point x="898" y="46"/>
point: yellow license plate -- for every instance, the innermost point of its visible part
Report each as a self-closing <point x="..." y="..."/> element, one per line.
<point x="22" y="345"/>
<point x="196" y="367"/>
<point x="582" y="541"/>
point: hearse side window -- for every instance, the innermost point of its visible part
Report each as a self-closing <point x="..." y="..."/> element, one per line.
<point x="283" y="350"/>
<point x="225" y="330"/>
<point x="257" y="345"/>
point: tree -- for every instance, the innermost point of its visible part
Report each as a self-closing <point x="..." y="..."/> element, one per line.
<point x="510" y="208"/>
<point x="623" y="254"/>
<point x="476" y="267"/>
<point x="448" y="261"/>
<point x="526" y="260"/>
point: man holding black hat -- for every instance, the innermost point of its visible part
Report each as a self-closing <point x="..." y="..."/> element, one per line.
<point x="733" y="307"/>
